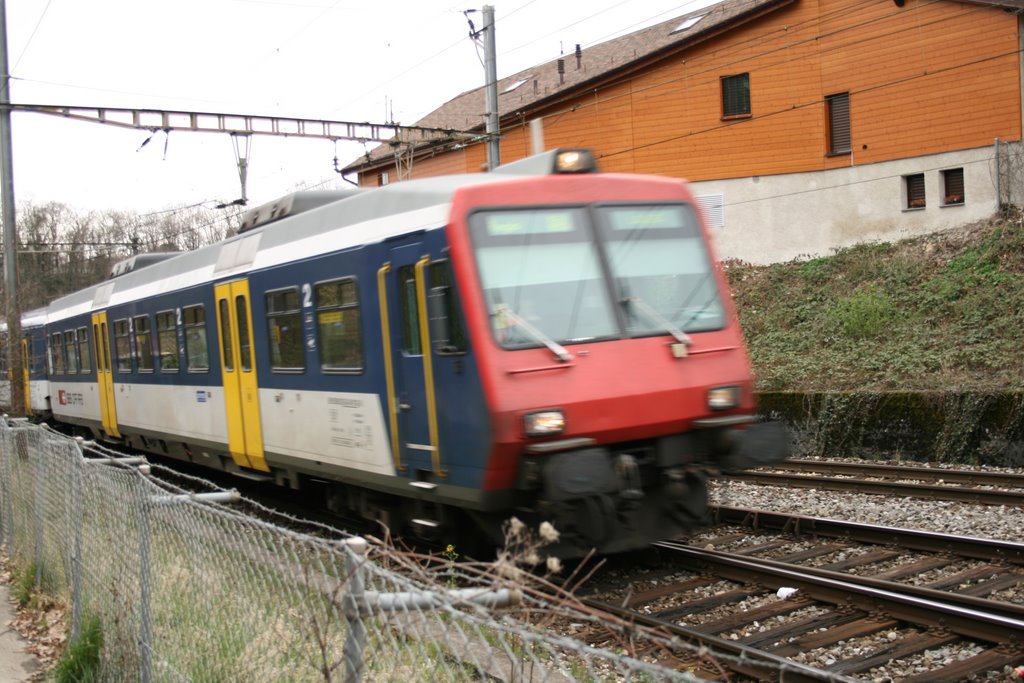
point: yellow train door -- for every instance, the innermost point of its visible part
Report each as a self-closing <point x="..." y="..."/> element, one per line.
<point x="104" y="374"/>
<point x="238" y="374"/>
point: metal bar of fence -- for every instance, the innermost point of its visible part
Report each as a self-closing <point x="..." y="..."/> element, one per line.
<point x="184" y="546"/>
<point x="76" y="549"/>
<point x="39" y="508"/>
<point x="359" y="602"/>
<point x="355" y="639"/>
<point x="145" y="634"/>
<point x="6" y="504"/>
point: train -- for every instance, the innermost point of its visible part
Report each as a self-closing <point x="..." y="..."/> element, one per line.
<point x="544" y="341"/>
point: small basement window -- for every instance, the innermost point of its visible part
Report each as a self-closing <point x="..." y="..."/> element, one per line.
<point x="953" y="187"/>
<point x="913" y="187"/>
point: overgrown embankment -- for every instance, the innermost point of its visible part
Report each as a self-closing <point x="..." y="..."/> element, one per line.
<point x="939" y="316"/>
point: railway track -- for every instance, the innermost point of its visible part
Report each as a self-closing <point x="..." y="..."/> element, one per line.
<point x="813" y="599"/>
<point x="965" y="486"/>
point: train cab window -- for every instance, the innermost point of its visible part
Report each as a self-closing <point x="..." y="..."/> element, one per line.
<point x="284" y="325"/>
<point x="71" y="352"/>
<point x="143" y="343"/>
<point x="196" y="350"/>
<point x="167" y="341"/>
<point x="661" y="269"/>
<point x="84" y="352"/>
<point x="541" y="273"/>
<point x="454" y="332"/>
<point x="56" y="354"/>
<point x="338" y="326"/>
<point x="123" y="346"/>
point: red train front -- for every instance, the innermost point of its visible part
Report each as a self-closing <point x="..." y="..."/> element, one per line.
<point x="609" y="353"/>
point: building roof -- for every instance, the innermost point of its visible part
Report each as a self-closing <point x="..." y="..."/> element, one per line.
<point x="531" y="89"/>
<point x="538" y="86"/>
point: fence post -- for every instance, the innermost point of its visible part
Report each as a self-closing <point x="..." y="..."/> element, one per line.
<point x="6" y="509"/>
<point x="76" y="544"/>
<point x="145" y="636"/>
<point x="355" y="639"/>
<point x="40" y="506"/>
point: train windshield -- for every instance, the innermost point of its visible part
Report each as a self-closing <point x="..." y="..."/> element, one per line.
<point x="661" y="269"/>
<point x="545" y="273"/>
<point x="542" y="266"/>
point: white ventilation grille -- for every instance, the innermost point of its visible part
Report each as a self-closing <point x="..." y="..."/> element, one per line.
<point x="713" y="206"/>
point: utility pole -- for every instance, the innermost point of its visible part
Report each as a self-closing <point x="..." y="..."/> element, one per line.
<point x="13" y="311"/>
<point x="491" y="90"/>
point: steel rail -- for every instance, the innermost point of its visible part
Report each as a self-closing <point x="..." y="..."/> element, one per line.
<point x="877" y="487"/>
<point x="911" y="539"/>
<point x="932" y="474"/>
<point x="744" y="659"/>
<point x="987" y="620"/>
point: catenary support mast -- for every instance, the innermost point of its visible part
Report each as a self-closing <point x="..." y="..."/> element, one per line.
<point x="12" y="310"/>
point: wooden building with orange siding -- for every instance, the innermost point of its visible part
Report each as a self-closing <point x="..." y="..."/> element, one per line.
<point x="805" y="125"/>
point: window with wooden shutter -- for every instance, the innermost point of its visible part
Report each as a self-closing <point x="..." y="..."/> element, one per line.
<point x="736" y="95"/>
<point x="914" y="186"/>
<point x="953" y="187"/>
<point x="838" y="123"/>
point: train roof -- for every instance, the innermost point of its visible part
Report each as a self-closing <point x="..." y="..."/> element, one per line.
<point x="357" y="218"/>
<point x="311" y="226"/>
<point x="33" y="318"/>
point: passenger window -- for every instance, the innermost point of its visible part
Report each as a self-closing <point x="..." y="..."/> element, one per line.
<point x="227" y="350"/>
<point x="123" y="346"/>
<point x="410" y="311"/>
<point x="56" y="354"/>
<point x="84" y="352"/>
<point x="71" y="352"/>
<point x="143" y="344"/>
<point x="338" y="326"/>
<point x="244" y="345"/>
<point x="167" y="341"/>
<point x="196" y="350"/>
<point x="441" y="279"/>
<point x="284" y="324"/>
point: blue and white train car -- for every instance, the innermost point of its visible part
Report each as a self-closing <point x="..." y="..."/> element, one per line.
<point x="35" y="381"/>
<point x="543" y="340"/>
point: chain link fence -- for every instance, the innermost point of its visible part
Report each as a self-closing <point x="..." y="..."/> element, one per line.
<point x="184" y="587"/>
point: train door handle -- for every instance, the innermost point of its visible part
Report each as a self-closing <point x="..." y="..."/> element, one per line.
<point x="404" y="407"/>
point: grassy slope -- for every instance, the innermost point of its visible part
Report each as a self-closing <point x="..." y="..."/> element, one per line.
<point x="932" y="313"/>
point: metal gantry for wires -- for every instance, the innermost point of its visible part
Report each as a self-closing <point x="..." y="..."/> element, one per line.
<point x="242" y="127"/>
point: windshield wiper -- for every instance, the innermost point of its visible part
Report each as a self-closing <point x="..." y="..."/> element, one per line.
<point x="658" y="319"/>
<point x="701" y="309"/>
<point x="503" y="311"/>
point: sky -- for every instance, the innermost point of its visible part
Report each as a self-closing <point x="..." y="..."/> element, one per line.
<point x="344" y="60"/>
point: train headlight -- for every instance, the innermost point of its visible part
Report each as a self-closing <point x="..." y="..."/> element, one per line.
<point x="575" y="161"/>
<point x="544" y="423"/>
<point x="723" y="398"/>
